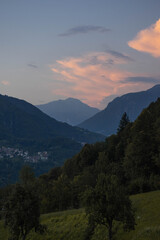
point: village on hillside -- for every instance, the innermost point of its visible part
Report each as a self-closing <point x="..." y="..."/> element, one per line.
<point x="8" y="152"/>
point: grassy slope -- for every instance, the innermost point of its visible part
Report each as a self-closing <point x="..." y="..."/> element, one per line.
<point x="71" y="224"/>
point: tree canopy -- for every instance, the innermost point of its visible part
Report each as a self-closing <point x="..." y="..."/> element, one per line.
<point x="21" y="210"/>
<point x="107" y="203"/>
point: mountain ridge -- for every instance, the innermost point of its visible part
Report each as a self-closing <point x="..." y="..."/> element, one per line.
<point x="70" y="110"/>
<point x="23" y="120"/>
<point x="106" y="121"/>
<point x="25" y="127"/>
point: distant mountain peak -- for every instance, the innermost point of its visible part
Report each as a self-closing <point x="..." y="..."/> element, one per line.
<point x="72" y="99"/>
<point x="70" y="110"/>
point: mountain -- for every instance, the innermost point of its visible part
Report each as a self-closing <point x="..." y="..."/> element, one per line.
<point x="71" y="110"/>
<point x="29" y="136"/>
<point x="20" y="119"/>
<point x="106" y="121"/>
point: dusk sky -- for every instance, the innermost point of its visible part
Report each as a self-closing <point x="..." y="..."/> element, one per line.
<point x="86" y="49"/>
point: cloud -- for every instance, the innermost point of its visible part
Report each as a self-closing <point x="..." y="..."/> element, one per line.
<point x="32" y="65"/>
<point x="148" y="40"/>
<point x="83" y="30"/>
<point x="142" y="80"/>
<point x="5" y="83"/>
<point x="92" y="77"/>
<point x="120" y="55"/>
<point x="96" y="76"/>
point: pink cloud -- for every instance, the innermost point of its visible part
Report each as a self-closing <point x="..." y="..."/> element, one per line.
<point x="5" y="83"/>
<point x="148" y="40"/>
<point x="92" y="77"/>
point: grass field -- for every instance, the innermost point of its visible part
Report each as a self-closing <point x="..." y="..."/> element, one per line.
<point x="71" y="224"/>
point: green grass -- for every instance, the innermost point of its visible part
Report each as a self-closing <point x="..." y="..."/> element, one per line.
<point x="71" y="224"/>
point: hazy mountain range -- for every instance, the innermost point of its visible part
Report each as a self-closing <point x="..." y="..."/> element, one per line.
<point x="107" y="120"/>
<point x="71" y="110"/>
<point x="20" y="119"/>
<point x="25" y="127"/>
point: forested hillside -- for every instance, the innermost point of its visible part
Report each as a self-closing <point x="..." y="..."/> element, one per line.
<point x="132" y="155"/>
<point x="126" y="163"/>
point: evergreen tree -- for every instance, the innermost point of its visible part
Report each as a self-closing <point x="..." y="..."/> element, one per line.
<point x="123" y="122"/>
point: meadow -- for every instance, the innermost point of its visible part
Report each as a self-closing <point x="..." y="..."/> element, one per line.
<point x="71" y="224"/>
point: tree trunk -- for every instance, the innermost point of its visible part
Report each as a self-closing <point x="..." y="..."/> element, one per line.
<point x="110" y="231"/>
<point x="24" y="237"/>
<point x="23" y="233"/>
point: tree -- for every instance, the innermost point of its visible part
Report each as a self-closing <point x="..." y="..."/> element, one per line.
<point x="26" y="176"/>
<point x="107" y="203"/>
<point x="21" y="210"/>
<point x="62" y="191"/>
<point x="123" y="122"/>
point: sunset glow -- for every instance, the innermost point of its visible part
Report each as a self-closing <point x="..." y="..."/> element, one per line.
<point x="93" y="77"/>
<point x="89" y="50"/>
<point x="148" y="40"/>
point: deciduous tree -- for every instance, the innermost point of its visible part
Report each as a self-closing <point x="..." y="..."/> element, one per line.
<point x="107" y="203"/>
<point x="21" y="210"/>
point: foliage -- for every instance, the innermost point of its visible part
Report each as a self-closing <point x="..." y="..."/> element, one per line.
<point x="21" y="212"/>
<point x="132" y="155"/>
<point x="9" y="170"/>
<point x="123" y="122"/>
<point x="107" y="203"/>
<point x="71" y="224"/>
<point x="58" y="152"/>
<point x="21" y="209"/>
<point x="26" y="176"/>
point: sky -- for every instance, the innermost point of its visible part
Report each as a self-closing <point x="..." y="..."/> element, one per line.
<point x="92" y="50"/>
